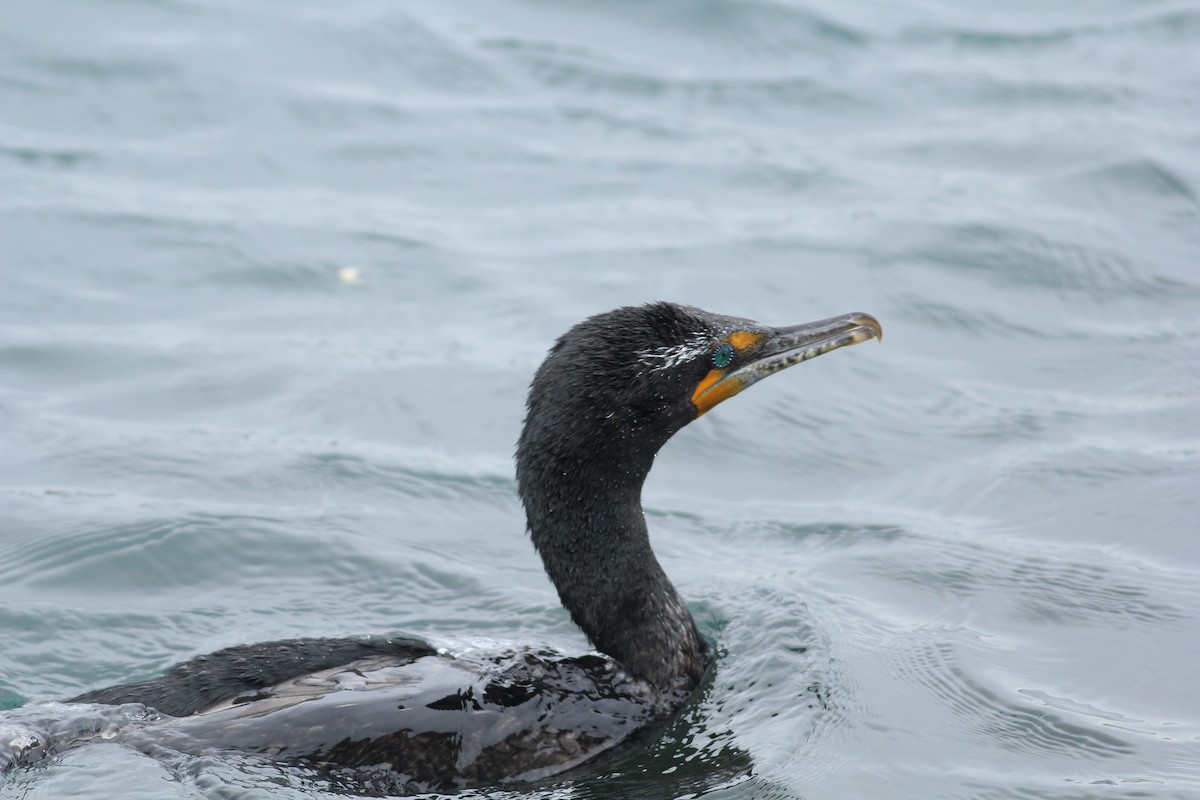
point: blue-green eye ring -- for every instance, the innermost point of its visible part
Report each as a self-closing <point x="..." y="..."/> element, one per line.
<point x="723" y="355"/>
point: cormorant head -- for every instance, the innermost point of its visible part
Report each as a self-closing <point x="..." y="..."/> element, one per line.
<point x="621" y="383"/>
<point x="610" y="393"/>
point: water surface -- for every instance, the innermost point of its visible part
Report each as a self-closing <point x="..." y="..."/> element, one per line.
<point x="962" y="564"/>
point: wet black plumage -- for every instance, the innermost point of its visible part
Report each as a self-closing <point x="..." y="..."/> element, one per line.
<point x="608" y="396"/>
<point x="247" y="669"/>
<point x="598" y="413"/>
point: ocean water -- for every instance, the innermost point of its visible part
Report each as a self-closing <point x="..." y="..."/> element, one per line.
<point x="274" y="277"/>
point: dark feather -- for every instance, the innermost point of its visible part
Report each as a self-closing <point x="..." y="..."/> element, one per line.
<point x="194" y="685"/>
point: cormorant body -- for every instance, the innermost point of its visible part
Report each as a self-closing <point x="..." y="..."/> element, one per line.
<point x="608" y="396"/>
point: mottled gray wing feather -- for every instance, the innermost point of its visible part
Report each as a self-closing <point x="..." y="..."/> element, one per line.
<point x="205" y="680"/>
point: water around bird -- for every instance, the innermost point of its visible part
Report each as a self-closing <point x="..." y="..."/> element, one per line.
<point x="274" y="278"/>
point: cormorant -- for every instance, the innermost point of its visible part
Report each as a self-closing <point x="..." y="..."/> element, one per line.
<point x="608" y="396"/>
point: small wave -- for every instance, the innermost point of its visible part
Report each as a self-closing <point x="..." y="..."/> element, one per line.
<point x="1049" y="587"/>
<point x="580" y="70"/>
<point x="1011" y="257"/>
<point x="108" y="70"/>
<point x="1172" y="24"/>
<point x="1005" y="717"/>
<point x="1138" y="187"/>
<point x="1142" y="176"/>
<point x="778" y="687"/>
<point x="35" y="156"/>
<point x="977" y="322"/>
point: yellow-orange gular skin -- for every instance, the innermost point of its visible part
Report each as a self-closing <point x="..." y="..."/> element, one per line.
<point x="704" y="399"/>
<point x="707" y="394"/>
<point x="760" y="352"/>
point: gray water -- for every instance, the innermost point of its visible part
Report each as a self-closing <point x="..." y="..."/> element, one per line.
<point x="274" y="277"/>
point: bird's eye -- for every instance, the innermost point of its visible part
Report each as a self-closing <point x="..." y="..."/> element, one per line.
<point x="723" y="355"/>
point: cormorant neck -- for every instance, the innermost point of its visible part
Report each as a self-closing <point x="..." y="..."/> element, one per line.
<point x="585" y="517"/>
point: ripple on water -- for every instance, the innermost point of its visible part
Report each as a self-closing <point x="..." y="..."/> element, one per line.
<point x="978" y="322"/>
<point x="1174" y="24"/>
<point x="38" y="155"/>
<point x="36" y="364"/>
<point x="908" y="676"/>
<point x="1142" y="177"/>
<point x="756" y="29"/>
<point x="140" y="555"/>
<point x="777" y="690"/>
<point x="390" y="41"/>
<point x="708" y="37"/>
<point x="205" y="550"/>
<point x="1009" y="257"/>
<point x="1134" y="788"/>
<point x="582" y="72"/>
<point x="1145" y="188"/>
<point x="1002" y="716"/>
<point x="1050" y="587"/>
<point x="1054" y="421"/>
<point x="107" y="70"/>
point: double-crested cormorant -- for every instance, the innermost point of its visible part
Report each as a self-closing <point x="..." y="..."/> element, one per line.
<point x="610" y="393"/>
